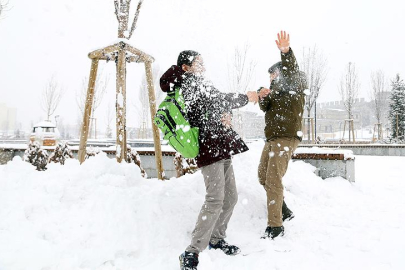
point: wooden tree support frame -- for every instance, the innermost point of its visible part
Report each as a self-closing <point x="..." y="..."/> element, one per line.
<point x="312" y="130"/>
<point x="378" y="130"/>
<point x="121" y="53"/>
<point x="350" y="124"/>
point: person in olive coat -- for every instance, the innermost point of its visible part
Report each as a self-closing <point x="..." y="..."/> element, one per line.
<point x="283" y="105"/>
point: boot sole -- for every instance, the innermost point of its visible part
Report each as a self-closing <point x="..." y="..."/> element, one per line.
<point x="182" y="267"/>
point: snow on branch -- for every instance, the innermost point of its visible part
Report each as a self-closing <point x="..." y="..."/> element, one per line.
<point x="116" y="5"/>
<point x="51" y="97"/>
<point x="135" y="18"/>
<point x="122" y="13"/>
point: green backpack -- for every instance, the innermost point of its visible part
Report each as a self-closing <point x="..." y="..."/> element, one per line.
<point x="171" y="119"/>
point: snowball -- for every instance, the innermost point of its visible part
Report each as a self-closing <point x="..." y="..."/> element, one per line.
<point x="204" y="217"/>
<point x="120" y="99"/>
<point x="307" y="92"/>
<point x="118" y="153"/>
<point x="299" y="133"/>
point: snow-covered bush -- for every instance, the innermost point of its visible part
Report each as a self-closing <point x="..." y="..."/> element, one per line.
<point x="91" y="152"/>
<point x="61" y="153"/>
<point x="36" y="156"/>
<point x="133" y="157"/>
<point x="184" y="165"/>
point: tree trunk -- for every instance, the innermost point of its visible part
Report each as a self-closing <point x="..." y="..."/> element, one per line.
<point x="121" y="107"/>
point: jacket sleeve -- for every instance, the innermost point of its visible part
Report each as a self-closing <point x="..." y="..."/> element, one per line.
<point x="265" y="103"/>
<point x="291" y="73"/>
<point x="236" y="100"/>
<point x="227" y="101"/>
<point x="289" y="64"/>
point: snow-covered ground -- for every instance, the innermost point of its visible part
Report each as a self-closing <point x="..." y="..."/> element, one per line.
<point x="103" y="215"/>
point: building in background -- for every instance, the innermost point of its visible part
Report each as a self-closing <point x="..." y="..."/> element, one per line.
<point x="249" y="125"/>
<point x="8" y="120"/>
<point x="331" y="116"/>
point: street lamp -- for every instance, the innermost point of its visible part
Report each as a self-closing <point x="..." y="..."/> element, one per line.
<point x="56" y="122"/>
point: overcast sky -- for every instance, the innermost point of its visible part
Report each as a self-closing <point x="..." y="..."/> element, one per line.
<point x="44" y="38"/>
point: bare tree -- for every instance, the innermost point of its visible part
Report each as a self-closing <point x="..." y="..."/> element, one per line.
<point x="3" y="6"/>
<point x="349" y="88"/>
<point x="143" y="106"/>
<point x="379" y="97"/>
<point x="51" y="97"/>
<point x="314" y="64"/>
<point x="349" y="91"/>
<point x="99" y="91"/>
<point x="109" y="116"/>
<point x="122" y="13"/>
<point x="240" y="75"/>
<point x="241" y="70"/>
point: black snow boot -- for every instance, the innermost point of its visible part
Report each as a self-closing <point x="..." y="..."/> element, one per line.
<point x="286" y="212"/>
<point x="273" y="232"/>
<point x="225" y="247"/>
<point x="188" y="261"/>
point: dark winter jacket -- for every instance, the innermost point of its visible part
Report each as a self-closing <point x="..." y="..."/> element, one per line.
<point x="205" y="108"/>
<point x="284" y="106"/>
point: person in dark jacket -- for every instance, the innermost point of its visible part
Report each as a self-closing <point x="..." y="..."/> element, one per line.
<point x="210" y="110"/>
<point x="283" y="106"/>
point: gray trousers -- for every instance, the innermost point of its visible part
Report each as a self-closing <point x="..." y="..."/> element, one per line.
<point x="220" y="200"/>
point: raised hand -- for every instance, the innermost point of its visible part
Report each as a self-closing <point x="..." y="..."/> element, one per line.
<point x="283" y="42"/>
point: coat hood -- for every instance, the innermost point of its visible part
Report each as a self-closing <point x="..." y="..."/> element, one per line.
<point x="171" y="78"/>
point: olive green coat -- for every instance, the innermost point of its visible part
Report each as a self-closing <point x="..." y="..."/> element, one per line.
<point x="284" y="106"/>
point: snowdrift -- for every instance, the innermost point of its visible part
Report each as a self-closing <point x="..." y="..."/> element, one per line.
<point x="104" y="215"/>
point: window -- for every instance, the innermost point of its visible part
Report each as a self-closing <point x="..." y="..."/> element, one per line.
<point x="49" y="129"/>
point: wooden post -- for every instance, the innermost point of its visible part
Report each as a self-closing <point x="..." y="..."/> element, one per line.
<point x="121" y="105"/>
<point x="377" y="126"/>
<point x="84" y="133"/>
<point x="352" y="123"/>
<point x="152" y="105"/>
<point x="344" y="131"/>
<point x="312" y="130"/>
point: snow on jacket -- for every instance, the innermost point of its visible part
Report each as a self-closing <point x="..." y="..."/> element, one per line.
<point x="205" y="108"/>
<point x="284" y="106"/>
